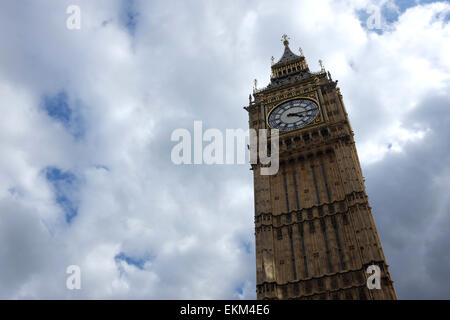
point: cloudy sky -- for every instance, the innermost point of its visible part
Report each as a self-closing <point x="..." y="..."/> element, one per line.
<point x="86" y="176"/>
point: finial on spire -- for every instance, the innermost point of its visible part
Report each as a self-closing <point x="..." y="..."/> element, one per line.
<point x="301" y="52"/>
<point x="285" y="39"/>
<point x="322" y="68"/>
<point x="255" y="86"/>
<point x="272" y="59"/>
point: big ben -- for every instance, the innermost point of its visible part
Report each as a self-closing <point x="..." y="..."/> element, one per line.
<point x="315" y="234"/>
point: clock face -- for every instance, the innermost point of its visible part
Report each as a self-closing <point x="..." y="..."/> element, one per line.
<point x="293" y="114"/>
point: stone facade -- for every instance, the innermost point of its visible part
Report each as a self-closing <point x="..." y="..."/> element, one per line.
<point x="315" y="234"/>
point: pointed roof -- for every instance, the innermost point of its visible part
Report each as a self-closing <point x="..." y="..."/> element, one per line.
<point x="288" y="55"/>
<point x="289" y="69"/>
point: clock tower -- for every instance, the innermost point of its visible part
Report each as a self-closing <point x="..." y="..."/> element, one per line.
<point x="315" y="234"/>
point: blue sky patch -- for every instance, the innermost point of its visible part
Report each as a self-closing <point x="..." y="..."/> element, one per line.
<point x="247" y="245"/>
<point x="240" y="289"/>
<point x="65" y="186"/>
<point x="59" y="109"/>
<point x="134" y="261"/>
<point x="403" y="5"/>
<point x="129" y="16"/>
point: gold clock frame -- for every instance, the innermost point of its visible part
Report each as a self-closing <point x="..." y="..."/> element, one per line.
<point x="318" y="119"/>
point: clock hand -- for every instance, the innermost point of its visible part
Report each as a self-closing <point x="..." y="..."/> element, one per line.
<point x="297" y="114"/>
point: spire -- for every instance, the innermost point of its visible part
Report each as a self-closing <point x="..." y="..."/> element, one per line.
<point x="322" y="68"/>
<point x="286" y="40"/>
<point x="289" y="63"/>
<point x="288" y="55"/>
<point x="289" y="69"/>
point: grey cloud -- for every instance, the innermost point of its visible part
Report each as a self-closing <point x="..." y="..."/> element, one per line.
<point x="409" y="195"/>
